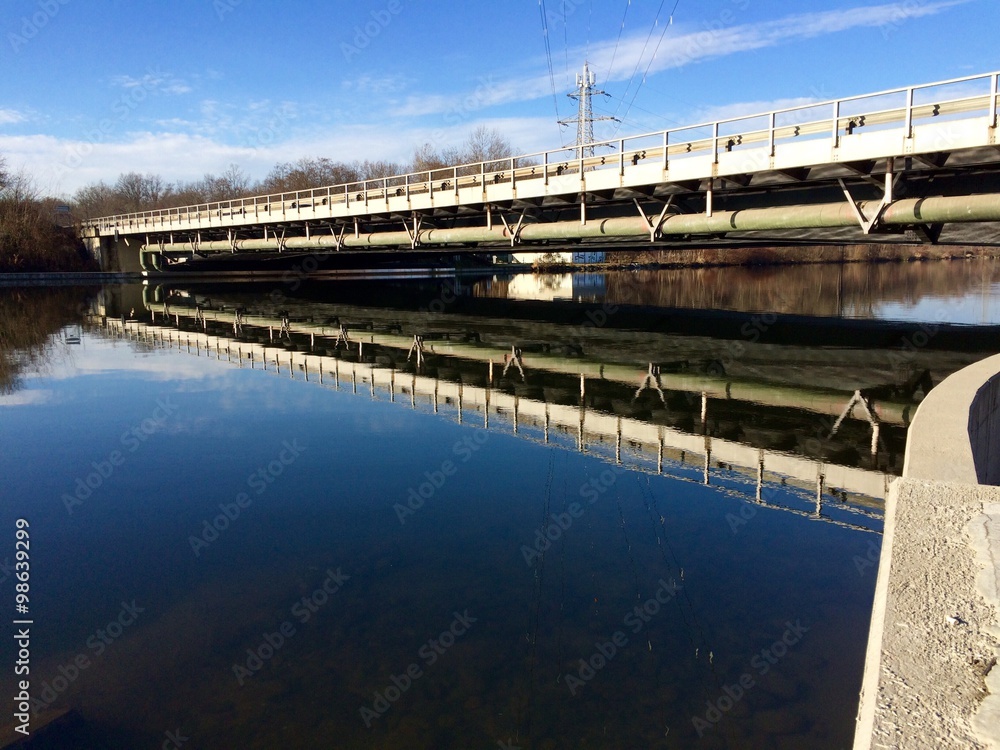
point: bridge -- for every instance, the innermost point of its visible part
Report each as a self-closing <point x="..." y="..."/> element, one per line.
<point x="911" y="161"/>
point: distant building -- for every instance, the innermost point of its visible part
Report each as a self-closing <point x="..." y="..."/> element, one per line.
<point x="576" y="257"/>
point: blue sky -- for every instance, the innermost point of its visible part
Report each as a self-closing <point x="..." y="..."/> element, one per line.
<point x="92" y="89"/>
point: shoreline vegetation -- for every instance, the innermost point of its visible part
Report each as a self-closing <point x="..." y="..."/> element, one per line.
<point x="32" y="237"/>
<point x="29" y="318"/>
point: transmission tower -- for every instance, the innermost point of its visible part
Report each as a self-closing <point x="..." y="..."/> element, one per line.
<point x="585" y="119"/>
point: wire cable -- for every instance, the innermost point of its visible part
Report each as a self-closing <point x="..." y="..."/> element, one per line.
<point x="607" y="76"/>
<point x="548" y="54"/>
<point x="638" y="61"/>
<point x="648" y="66"/>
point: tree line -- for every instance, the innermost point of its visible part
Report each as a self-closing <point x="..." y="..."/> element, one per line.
<point x="132" y="192"/>
<point x="36" y="231"/>
<point x="34" y="235"/>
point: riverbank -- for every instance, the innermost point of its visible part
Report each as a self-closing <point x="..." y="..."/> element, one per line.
<point x="776" y="255"/>
<point x="931" y="675"/>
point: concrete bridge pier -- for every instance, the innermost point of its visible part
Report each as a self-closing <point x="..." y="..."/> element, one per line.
<point x="113" y="253"/>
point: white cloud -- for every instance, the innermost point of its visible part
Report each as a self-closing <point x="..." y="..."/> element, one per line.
<point x="154" y="80"/>
<point x="11" y="117"/>
<point x="682" y="45"/>
<point x="61" y="166"/>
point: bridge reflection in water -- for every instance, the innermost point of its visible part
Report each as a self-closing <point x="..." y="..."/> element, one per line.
<point x="831" y="452"/>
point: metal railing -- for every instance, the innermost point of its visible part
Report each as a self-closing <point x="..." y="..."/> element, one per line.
<point x="661" y="148"/>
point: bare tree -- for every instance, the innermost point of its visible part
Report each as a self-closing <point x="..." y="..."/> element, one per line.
<point x="373" y="170"/>
<point x="489" y="145"/>
<point x="138" y="192"/>
<point x="93" y="201"/>
<point x="234" y="182"/>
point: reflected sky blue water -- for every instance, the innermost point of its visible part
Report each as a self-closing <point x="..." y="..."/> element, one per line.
<point x="192" y="434"/>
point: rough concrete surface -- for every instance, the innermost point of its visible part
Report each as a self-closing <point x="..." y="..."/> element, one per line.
<point x="985" y="533"/>
<point x="937" y="638"/>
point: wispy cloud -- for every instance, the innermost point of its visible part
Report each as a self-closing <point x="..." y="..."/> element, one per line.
<point x="11" y="117"/>
<point x="683" y="45"/>
<point x="384" y="85"/>
<point x="154" y="80"/>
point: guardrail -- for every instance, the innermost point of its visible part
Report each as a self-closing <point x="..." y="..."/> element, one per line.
<point x="951" y="99"/>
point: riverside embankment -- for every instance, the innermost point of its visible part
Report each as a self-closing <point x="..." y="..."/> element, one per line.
<point x="931" y="676"/>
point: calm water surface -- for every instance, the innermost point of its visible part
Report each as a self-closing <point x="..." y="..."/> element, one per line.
<point x="256" y="559"/>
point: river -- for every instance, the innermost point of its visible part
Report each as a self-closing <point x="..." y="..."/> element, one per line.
<point x="633" y="509"/>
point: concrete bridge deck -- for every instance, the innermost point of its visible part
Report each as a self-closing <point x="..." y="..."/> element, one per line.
<point x="863" y="161"/>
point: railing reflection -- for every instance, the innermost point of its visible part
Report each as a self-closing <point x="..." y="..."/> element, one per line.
<point x="841" y="495"/>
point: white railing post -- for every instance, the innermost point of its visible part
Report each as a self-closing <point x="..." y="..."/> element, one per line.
<point x="908" y="127"/>
<point x="770" y="134"/>
<point x="666" y="144"/>
<point x="836" y="123"/>
<point x="994" y="98"/>
<point x="715" y="142"/>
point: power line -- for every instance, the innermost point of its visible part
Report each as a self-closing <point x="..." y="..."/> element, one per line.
<point x="548" y="54"/>
<point x="565" y="20"/>
<point x="647" y="111"/>
<point x="643" y="52"/>
<point x="648" y="65"/>
<point x="628" y="4"/>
